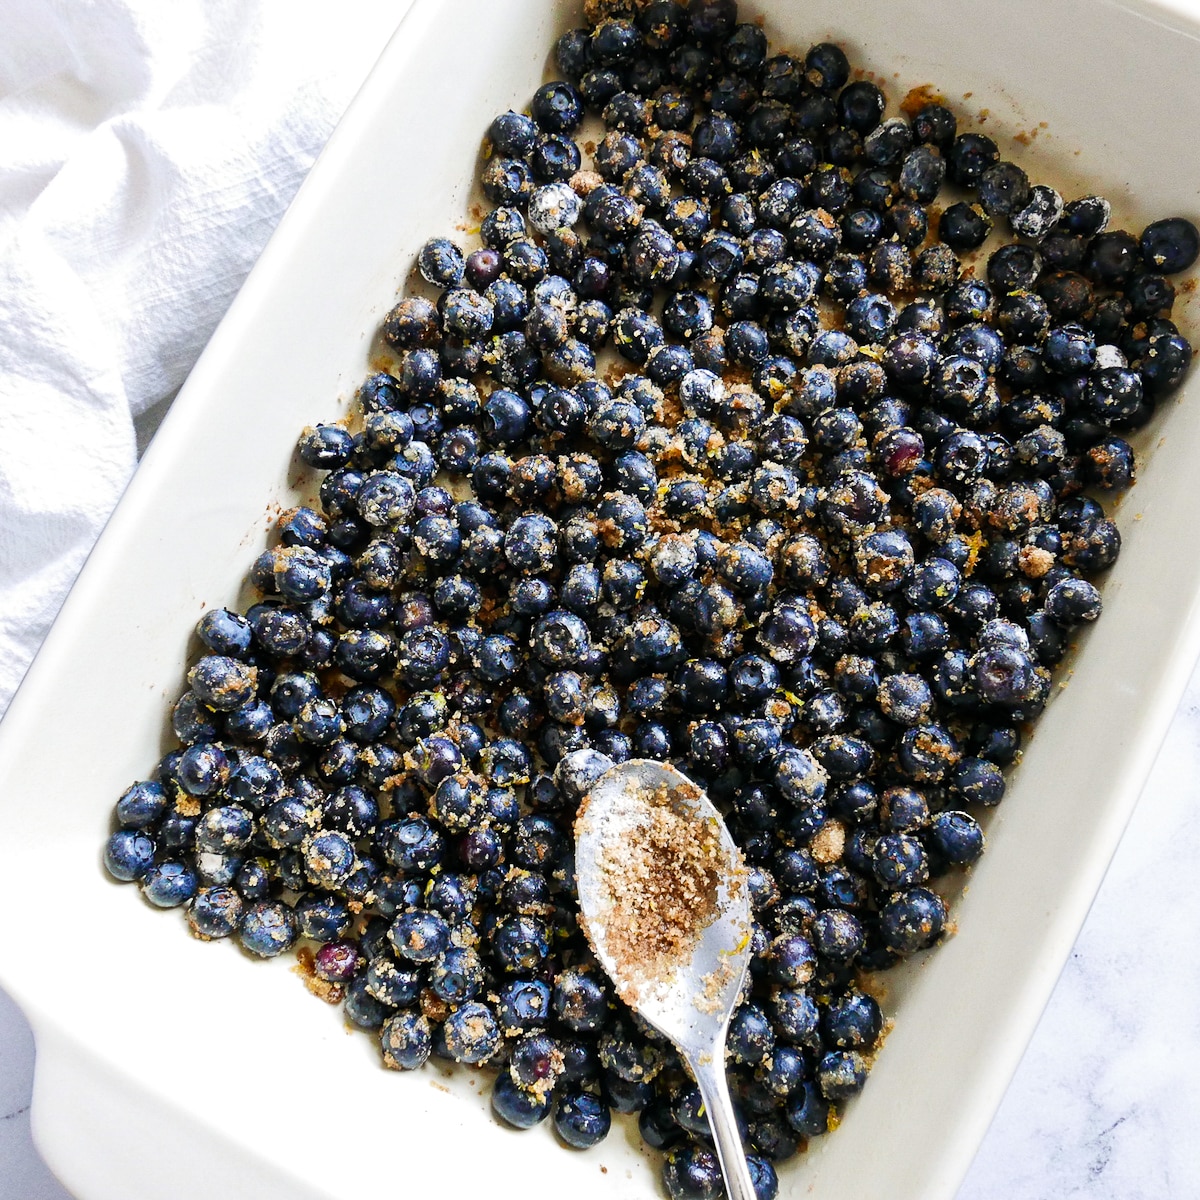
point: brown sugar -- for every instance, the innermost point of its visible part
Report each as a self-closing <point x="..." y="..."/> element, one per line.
<point x="661" y="885"/>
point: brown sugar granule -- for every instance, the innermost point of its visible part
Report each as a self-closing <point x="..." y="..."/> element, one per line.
<point x="828" y="842"/>
<point x="661" y="884"/>
<point x="1034" y="562"/>
<point x="331" y="993"/>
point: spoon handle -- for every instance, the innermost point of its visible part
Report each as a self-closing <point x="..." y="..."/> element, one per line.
<point x="709" y="1071"/>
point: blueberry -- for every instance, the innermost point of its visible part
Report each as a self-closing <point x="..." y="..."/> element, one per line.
<point x="215" y="912"/>
<point x="322" y="918"/>
<point x="406" y="1040"/>
<point x="141" y="806"/>
<point x="506" y="417"/>
<point x="557" y="107"/>
<point x="912" y="920"/>
<point x="226" y="828"/>
<point x="329" y="859"/>
<point x="580" y="1001"/>
<point x="168" y="884"/>
<point x="385" y="498"/>
<point x="472" y="1035"/>
<point x="225" y="633"/>
<point x="1087" y="216"/>
<point x="692" y="1172"/>
<point x="860" y="106"/>
<point x="268" y="928"/>
<point x="419" y="936"/>
<point x="838" y="936"/>
<point x="324" y="447"/>
<point x="1170" y="246"/>
<point x="441" y="262"/>
<point x="531" y="543"/>
<point x="581" y="1119"/>
<point x="977" y="781"/>
<point x="841" y="1074"/>
<point x="362" y="1009"/>
<point x="512" y="134"/>
<point x="1072" y="602"/>
<point x="517" y="1107"/>
<point x="957" y="837"/>
<point x="203" y="769"/>
<point x="523" y="1005"/>
<point x="129" y="855"/>
<point x="221" y="682"/>
<point x="1113" y="258"/>
<point x="750" y="1038"/>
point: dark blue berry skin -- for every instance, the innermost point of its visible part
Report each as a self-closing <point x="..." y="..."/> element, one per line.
<point x="361" y="1008"/>
<point x="523" y="1005"/>
<point x="203" y="769"/>
<point x="141" y="806"/>
<point x="838" y="936"/>
<point x="860" y="106"/>
<point x="268" y="929"/>
<point x="581" y="1119"/>
<point x="441" y="262"/>
<point x="225" y="632"/>
<point x="1170" y="246"/>
<point x="168" y="884"/>
<point x="580" y="1001"/>
<point x="657" y="1125"/>
<point x="323" y="918"/>
<point x="129" y="855"/>
<point x="692" y="1172"/>
<point x="515" y="1106"/>
<point x="957" y="837"/>
<point x="627" y="1096"/>
<point x="215" y="912"/>
<point x="750" y="1038"/>
<point x="519" y="943"/>
<point x="1072" y="602"/>
<point x="912" y="920"/>
<point x="223" y="829"/>
<point x="177" y="833"/>
<point x="782" y="1074"/>
<point x="533" y="1060"/>
<point x="808" y="1111"/>
<point x="471" y="1033"/>
<point x="419" y="936"/>
<point x="1113" y="258"/>
<point x="557" y="108"/>
<point x="763" y="1177"/>
<point x="506" y="418"/>
<point x="406" y="1040"/>
<point x="221" y="682"/>
<point x="325" y="447"/>
<point x="853" y="1022"/>
<point x="513" y="134"/>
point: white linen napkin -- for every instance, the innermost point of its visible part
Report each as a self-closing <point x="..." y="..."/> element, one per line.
<point x="147" y="151"/>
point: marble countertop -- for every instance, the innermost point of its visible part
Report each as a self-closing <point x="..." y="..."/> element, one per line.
<point x="1104" y="1105"/>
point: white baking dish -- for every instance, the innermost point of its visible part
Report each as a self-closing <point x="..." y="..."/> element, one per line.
<point x="167" y="1067"/>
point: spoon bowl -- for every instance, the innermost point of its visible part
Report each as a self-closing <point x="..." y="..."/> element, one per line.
<point x="664" y="902"/>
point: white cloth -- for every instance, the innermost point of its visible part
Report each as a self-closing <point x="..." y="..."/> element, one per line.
<point x="147" y="151"/>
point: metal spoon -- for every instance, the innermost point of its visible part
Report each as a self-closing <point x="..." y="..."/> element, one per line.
<point x="691" y="1001"/>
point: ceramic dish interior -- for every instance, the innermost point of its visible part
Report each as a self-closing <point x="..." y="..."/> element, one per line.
<point x="170" y="1067"/>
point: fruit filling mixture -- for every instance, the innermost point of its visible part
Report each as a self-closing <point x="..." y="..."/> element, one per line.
<point x="764" y="433"/>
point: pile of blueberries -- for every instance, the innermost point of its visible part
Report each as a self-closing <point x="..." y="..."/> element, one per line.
<point x="817" y="534"/>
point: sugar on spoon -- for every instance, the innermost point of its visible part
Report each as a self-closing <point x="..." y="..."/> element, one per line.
<point x="664" y="902"/>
